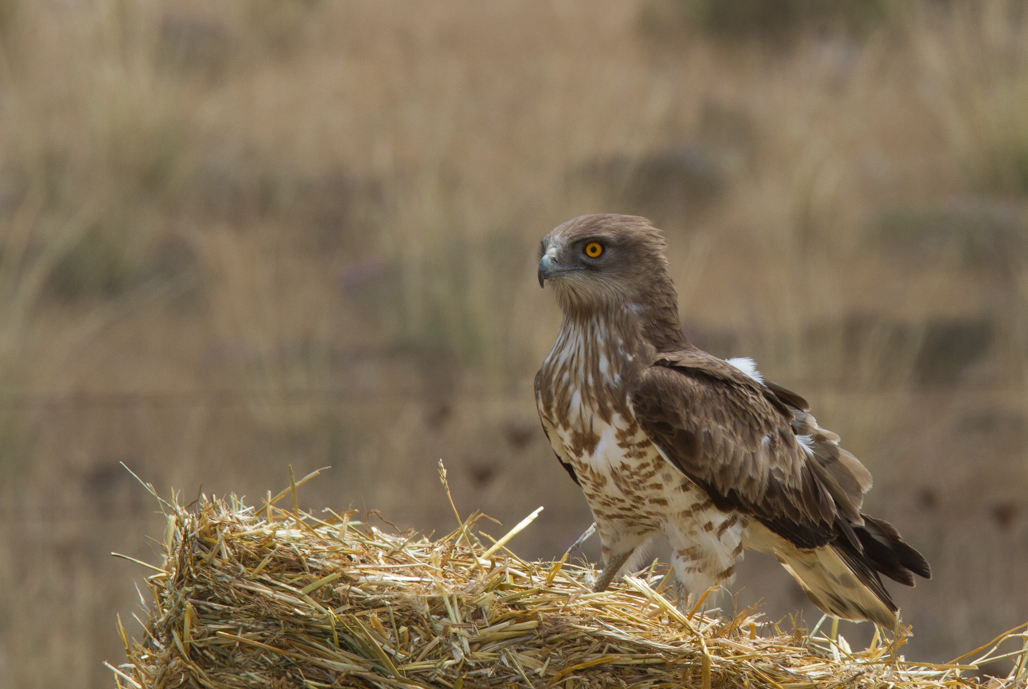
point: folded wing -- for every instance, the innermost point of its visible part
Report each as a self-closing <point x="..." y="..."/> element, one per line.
<point x="755" y="448"/>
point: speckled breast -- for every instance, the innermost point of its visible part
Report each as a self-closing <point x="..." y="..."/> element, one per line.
<point x="627" y="482"/>
<point x="582" y="399"/>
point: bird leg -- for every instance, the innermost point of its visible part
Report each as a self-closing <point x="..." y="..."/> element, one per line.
<point x="581" y="539"/>
<point x="688" y="602"/>
<point x="611" y="567"/>
<point x="685" y="599"/>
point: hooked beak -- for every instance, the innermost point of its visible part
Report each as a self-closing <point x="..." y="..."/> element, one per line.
<point x="548" y="267"/>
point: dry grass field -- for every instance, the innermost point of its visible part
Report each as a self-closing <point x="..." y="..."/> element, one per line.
<point x="237" y="236"/>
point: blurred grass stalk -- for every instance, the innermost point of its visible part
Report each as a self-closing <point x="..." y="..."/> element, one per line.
<point x="88" y="162"/>
<point x="976" y="67"/>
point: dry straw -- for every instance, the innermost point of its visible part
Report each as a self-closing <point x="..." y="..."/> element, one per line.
<point x="277" y="598"/>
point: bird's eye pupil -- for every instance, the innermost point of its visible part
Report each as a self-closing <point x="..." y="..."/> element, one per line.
<point x="593" y="249"/>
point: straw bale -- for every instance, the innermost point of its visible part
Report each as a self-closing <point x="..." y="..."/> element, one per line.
<point x="266" y="598"/>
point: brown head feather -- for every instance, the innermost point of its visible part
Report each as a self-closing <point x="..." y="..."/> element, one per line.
<point x="629" y="276"/>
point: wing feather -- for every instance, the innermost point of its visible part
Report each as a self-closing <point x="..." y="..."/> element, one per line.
<point x="754" y="447"/>
<point x="736" y="438"/>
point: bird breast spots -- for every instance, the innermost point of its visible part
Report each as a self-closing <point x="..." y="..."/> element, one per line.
<point x="726" y="574"/>
<point x="727" y="524"/>
<point x="695" y="508"/>
<point x="689" y="553"/>
<point x="582" y="442"/>
<point x="628" y="435"/>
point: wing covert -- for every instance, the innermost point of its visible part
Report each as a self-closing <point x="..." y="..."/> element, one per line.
<point x="735" y="437"/>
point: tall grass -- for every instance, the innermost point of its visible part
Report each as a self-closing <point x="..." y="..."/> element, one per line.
<point x="975" y="64"/>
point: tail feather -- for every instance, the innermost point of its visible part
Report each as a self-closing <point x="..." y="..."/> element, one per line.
<point x="836" y="586"/>
<point x="842" y="578"/>
<point x="889" y="554"/>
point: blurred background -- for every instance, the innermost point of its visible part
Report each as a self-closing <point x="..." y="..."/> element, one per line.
<point x="241" y="235"/>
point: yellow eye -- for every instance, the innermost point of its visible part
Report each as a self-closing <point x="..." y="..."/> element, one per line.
<point x="593" y="249"/>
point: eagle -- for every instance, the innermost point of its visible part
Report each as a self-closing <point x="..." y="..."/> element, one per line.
<point x="666" y="440"/>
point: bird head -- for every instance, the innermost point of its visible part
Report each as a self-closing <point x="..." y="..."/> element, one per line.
<point x="605" y="261"/>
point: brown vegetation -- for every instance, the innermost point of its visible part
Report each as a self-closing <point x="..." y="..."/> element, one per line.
<point x="240" y="235"/>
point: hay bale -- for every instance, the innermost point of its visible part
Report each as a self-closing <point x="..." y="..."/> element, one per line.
<point x="248" y="598"/>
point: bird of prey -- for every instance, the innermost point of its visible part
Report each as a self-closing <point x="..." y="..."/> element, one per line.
<point x="667" y="440"/>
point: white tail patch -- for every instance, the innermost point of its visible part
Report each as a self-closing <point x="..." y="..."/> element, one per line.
<point x="747" y="366"/>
